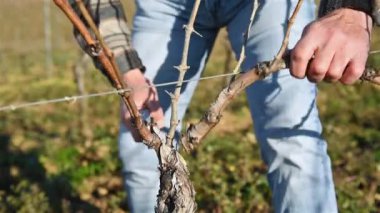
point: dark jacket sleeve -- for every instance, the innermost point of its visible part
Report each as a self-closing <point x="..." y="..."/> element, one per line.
<point x="327" y="6"/>
<point x="111" y="21"/>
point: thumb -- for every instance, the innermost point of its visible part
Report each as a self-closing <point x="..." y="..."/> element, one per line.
<point x="155" y="109"/>
<point x="156" y="113"/>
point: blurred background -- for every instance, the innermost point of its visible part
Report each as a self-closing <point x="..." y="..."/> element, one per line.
<point x="63" y="157"/>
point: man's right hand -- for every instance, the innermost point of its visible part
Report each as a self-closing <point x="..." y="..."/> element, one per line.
<point x="145" y="97"/>
<point x="334" y="47"/>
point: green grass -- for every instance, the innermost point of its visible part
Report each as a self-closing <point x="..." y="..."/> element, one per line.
<point x="47" y="164"/>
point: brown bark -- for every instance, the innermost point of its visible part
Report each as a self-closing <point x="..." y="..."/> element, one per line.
<point x="176" y="191"/>
<point x="151" y="140"/>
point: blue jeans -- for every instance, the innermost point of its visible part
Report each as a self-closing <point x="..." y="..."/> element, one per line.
<point x="283" y="109"/>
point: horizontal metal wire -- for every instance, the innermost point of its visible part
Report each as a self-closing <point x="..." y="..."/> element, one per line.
<point x="111" y="92"/>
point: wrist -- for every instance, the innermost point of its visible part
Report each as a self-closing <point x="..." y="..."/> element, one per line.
<point x="355" y="16"/>
<point x="359" y="5"/>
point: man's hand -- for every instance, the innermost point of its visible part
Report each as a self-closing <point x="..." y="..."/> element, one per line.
<point x="145" y="97"/>
<point x="333" y="48"/>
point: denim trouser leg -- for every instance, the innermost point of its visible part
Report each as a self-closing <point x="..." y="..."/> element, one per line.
<point x="286" y="119"/>
<point x="283" y="108"/>
<point x="158" y="38"/>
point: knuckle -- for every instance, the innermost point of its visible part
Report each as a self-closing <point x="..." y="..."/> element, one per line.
<point x="356" y="71"/>
<point x="356" y="74"/>
<point x="333" y="76"/>
<point x="298" y="55"/>
<point x="352" y="74"/>
<point x="347" y="81"/>
<point x="314" y="26"/>
<point x="313" y="78"/>
<point x="317" y="69"/>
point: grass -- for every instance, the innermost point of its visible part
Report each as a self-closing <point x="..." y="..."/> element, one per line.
<point x="48" y="165"/>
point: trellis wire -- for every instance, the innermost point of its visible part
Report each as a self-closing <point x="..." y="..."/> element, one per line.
<point x="111" y="92"/>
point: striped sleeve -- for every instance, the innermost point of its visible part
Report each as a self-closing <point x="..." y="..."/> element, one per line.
<point x="109" y="16"/>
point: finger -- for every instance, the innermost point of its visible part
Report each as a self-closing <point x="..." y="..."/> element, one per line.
<point x="155" y="109"/>
<point x="319" y="66"/>
<point x="139" y="98"/>
<point x="353" y="72"/>
<point x="303" y="52"/>
<point x="337" y="67"/>
<point x="128" y="121"/>
<point x="157" y="114"/>
<point x="126" y="116"/>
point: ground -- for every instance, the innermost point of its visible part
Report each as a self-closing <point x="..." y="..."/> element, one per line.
<point x="48" y="164"/>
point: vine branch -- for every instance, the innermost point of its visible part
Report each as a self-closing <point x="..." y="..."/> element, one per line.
<point x="151" y="140"/>
<point x="246" y="35"/>
<point x="196" y="132"/>
<point x="176" y="192"/>
<point x="182" y="69"/>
